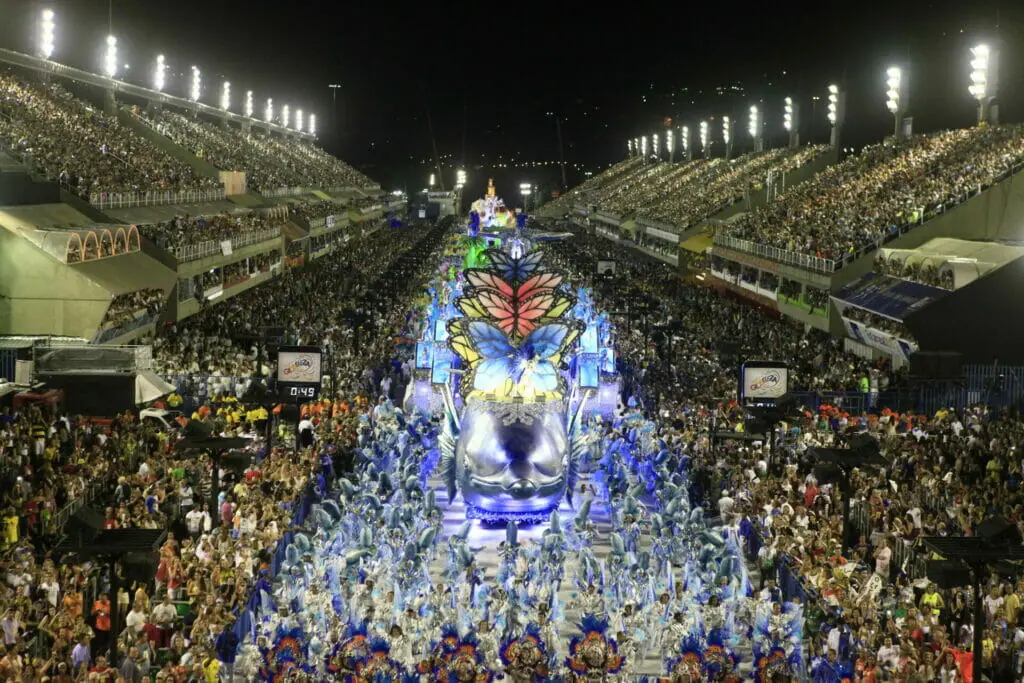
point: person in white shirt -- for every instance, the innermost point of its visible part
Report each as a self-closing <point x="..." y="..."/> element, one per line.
<point x="889" y="655"/>
<point x="883" y="556"/>
<point x="197" y="521"/>
<point x="136" y="619"/>
<point x="165" y="613"/>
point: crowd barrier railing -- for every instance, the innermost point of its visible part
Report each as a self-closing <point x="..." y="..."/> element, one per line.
<point x="128" y="200"/>
<point x="207" y="248"/>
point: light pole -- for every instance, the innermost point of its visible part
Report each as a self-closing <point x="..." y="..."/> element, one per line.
<point x="655" y="147"/>
<point x="669" y="146"/>
<point x="110" y="58"/>
<point x="755" y="128"/>
<point x="836" y="111"/>
<point x="561" y="149"/>
<point x="197" y="82"/>
<point x="705" y="140"/>
<point x="298" y="120"/>
<point x="286" y="116"/>
<point x="460" y="182"/>
<point x="643" y="147"/>
<point x="248" y="104"/>
<point x="790" y="120"/>
<point x="312" y="125"/>
<point x="268" y="111"/>
<point x="895" y="101"/>
<point x="47" y="27"/>
<point x="727" y="136"/>
<point x="225" y="96"/>
<point x="985" y="82"/>
<point x="814" y="116"/>
<point x="526" y="189"/>
<point x="335" y="87"/>
<point x="684" y="137"/>
<point x="629" y="149"/>
<point x="159" y="74"/>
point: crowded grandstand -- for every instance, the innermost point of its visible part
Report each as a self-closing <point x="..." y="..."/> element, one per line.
<point x="173" y="513"/>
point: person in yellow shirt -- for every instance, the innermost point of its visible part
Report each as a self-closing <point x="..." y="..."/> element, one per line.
<point x="1011" y="603"/>
<point x="10" y="527"/>
<point x="211" y="668"/>
<point x="931" y="600"/>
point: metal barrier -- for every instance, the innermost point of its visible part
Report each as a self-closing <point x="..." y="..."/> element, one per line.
<point x="207" y="248"/>
<point x="785" y="256"/>
<point x="128" y="200"/>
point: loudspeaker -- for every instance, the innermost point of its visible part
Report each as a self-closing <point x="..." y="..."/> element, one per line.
<point x="997" y="531"/>
<point x="936" y="365"/>
<point x="948" y="574"/>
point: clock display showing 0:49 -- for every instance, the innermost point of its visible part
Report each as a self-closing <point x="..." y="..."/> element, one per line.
<point x="300" y="392"/>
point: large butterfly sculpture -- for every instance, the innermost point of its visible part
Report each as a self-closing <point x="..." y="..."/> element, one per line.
<point x="529" y="369"/>
<point x="517" y="306"/>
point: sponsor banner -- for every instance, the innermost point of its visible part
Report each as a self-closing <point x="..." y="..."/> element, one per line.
<point x="888" y="296"/>
<point x="876" y="339"/>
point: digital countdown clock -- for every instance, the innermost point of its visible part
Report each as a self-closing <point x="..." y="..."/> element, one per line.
<point x="299" y="371"/>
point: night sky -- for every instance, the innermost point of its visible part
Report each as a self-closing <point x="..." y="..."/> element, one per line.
<point x="492" y="73"/>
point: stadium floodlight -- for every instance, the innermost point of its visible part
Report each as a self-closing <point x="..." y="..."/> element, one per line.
<point x="985" y="82"/>
<point x="669" y="146"/>
<point x="894" y="80"/>
<point x="47" y="27"/>
<point x="110" y="58"/>
<point x="225" y="96"/>
<point x="704" y="139"/>
<point x="685" y="137"/>
<point x="433" y="179"/>
<point x="979" y="72"/>
<point x="159" y="73"/>
<point x="268" y="112"/>
<point x="298" y="120"/>
<point x="787" y="117"/>
<point x="197" y="83"/>
<point x="754" y="121"/>
<point x="643" y="146"/>
<point x="248" y="104"/>
<point x="629" y="147"/>
<point x="285" y="116"/>
<point x="726" y="126"/>
<point x="833" y="104"/>
<point x="655" y="146"/>
<point x="460" y="179"/>
<point x="312" y="124"/>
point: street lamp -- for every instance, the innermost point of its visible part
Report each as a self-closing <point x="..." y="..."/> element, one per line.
<point x="298" y="120"/>
<point x="789" y="121"/>
<point x="46" y="33"/>
<point x="704" y="138"/>
<point x="197" y="83"/>
<point x="159" y="73"/>
<point x="110" y="58"/>
<point x="225" y="96"/>
<point x="268" y="111"/>
<point x="754" y="127"/>
<point x="286" y="116"/>
<point x="248" y="104"/>
<point x="984" y="81"/>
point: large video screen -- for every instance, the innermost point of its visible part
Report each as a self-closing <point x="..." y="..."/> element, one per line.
<point x="765" y="381"/>
<point x="299" y="364"/>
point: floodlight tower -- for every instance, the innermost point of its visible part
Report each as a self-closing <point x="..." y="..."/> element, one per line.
<point x="248" y="104"/>
<point x="47" y="26"/>
<point x="636" y="146"/>
<point x="727" y="136"/>
<point x="790" y="119"/>
<point x="756" y="128"/>
<point x="896" y="98"/>
<point x="684" y="137"/>
<point x="196" y="88"/>
<point x="312" y="125"/>
<point x="705" y="140"/>
<point x="670" y="146"/>
<point x="159" y="74"/>
<point x="526" y="189"/>
<point x="629" y="149"/>
<point x="643" y="148"/>
<point x="286" y="116"/>
<point x="460" y="182"/>
<point x="268" y="111"/>
<point x="985" y="82"/>
<point x="110" y="58"/>
<point x="655" y="147"/>
<point x="836" y="113"/>
<point x="298" y="120"/>
<point x="225" y="96"/>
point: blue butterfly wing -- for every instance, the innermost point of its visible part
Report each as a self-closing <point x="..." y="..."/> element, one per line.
<point x="491" y="373"/>
<point x="547" y="339"/>
<point x="543" y="377"/>
<point x="490" y="341"/>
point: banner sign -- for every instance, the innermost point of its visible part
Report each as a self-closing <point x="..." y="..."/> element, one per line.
<point x="877" y="339"/>
<point x="888" y="296"/>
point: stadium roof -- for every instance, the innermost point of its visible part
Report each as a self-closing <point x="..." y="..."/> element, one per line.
<point x="995" y="253"/>
<point x="887" y="296"/>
